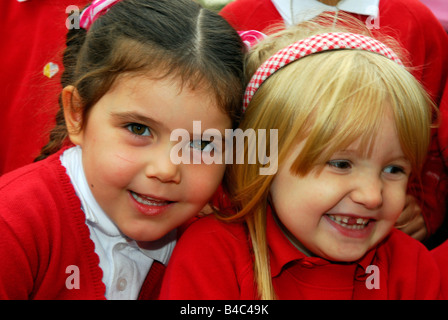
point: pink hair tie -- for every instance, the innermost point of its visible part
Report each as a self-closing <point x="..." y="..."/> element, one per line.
<point x="308" y="46"/>
<point x="251" y="37"/>
<point x="95" y="10"/>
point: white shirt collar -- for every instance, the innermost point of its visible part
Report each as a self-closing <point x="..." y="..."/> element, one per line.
<point x="72" y="160"/>
<point x="303" y="10"/>
<point x="159" y="250"/>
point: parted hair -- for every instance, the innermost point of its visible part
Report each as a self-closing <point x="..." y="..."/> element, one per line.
<point x="176" y="38"/>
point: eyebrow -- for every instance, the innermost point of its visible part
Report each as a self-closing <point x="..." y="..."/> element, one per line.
<point x="131" y="117"/>
<point x="350" y="152"/>
<point x="134" y="117"/>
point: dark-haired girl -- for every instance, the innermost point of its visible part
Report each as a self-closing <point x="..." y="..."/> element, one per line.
<point x="96" y="217"/>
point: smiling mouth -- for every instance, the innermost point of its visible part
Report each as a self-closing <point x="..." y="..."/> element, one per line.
<point x="349" y="222"/>
<point x="148" y="201"/>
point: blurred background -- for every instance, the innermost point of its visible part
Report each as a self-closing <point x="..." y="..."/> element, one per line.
<point x="439" y="8"/>
<point x="215" y="5"/>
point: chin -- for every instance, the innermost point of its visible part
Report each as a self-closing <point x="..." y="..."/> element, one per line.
<point x="147" y="237"/>
<point x="346" y="256"/>
<point x="140" y="233"/>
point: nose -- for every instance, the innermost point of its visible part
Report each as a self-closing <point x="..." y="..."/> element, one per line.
<point x="368" y="191"/>
<point x="159" y="165"/>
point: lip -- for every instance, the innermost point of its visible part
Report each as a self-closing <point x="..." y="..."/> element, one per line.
<point x="149" y="205"/>
<point x="350" y="225"/>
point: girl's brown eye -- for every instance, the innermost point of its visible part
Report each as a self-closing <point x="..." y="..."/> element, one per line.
<point x="138" y="129"/>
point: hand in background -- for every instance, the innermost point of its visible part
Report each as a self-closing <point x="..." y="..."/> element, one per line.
<point x="411" y="220"/>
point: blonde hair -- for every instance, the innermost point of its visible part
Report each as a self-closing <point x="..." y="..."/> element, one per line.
<point x="332" y="99"/>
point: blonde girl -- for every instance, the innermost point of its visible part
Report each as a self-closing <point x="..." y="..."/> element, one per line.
<point x="353" y="126"/>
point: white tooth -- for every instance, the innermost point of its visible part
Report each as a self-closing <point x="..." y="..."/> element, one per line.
<point x="343" y="221"/>
<point x="147" y="201"/>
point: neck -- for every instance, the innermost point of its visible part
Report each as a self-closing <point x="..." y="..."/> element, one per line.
<point x="330" y="2"/>
<point x="296" y="243"/>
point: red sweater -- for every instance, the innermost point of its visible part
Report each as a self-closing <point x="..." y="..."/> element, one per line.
<point x="412" y="24"/>
<point x="212" y="260"/>
<point x="441" y="256"/>
<point x="45" y="243"/>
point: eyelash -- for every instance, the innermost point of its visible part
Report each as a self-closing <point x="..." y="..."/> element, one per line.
<point x="336" y="164"/>
<point x="202" y="147"/>
<point x="142" y="129"/>
<point x="348" y="165"/>
<point x="131" y="126"/>
<point x="401" y="170"/>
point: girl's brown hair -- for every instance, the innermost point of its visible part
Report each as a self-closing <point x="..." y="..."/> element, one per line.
<point x="179" y="38"/>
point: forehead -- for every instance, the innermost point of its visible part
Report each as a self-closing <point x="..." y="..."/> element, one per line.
<point x="164" y="100"/>
<point x="384" y="142"/>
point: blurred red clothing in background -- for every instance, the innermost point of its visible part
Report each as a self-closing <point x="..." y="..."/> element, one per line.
<point x="34" y="35"/>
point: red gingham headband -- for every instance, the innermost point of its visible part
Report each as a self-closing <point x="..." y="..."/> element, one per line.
<point x="314" y="44"/>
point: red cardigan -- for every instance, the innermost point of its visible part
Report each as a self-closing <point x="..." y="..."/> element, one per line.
<point x="441" y="256"/>
<point x="421" y="34"/>
<point x="45" y="243"/>
<point x="212" y="260"/>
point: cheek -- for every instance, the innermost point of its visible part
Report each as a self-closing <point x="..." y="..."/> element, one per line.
<point x="110" y="169"/>
<point x="296" y="213"/>
<point x="201" y="182"/>
<point x="303" y="196"/>
<point x="394" y="202"/>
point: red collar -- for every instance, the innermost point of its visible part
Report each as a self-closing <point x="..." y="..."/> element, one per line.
<point x="282" y="251"/>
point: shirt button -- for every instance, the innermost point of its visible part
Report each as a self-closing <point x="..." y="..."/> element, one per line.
<point x="121" y="284"/>
<point x="120" y="246"/>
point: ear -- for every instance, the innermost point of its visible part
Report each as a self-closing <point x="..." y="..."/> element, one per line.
<point x="71" y="101"/>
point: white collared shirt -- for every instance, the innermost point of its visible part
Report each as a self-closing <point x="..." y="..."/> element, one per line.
<point x="124" y="264"/>
<point x="296" y="11"/>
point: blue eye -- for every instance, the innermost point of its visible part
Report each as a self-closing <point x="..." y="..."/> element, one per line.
<point x="201" y="145"/>
<point x="394" y="170"/>
<point x="138" y="129"/>
<point x="340" y="164"/>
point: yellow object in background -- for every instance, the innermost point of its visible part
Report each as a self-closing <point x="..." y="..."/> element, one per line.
<point x="51" y="69"/>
